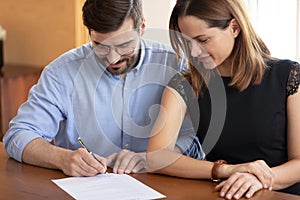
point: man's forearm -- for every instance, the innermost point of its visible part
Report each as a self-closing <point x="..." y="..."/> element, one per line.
<point x="41" y="153"/>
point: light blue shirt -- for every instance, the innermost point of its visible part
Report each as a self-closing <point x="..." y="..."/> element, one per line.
<point x="76" y="96"/>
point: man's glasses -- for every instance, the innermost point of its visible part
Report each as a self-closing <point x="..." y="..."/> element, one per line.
<point x="123" y="49"/>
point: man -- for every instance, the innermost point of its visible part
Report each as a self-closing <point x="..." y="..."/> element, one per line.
<point x="106" y="93"/>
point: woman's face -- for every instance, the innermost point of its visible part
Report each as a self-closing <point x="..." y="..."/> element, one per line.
<point x="211" y="46"/>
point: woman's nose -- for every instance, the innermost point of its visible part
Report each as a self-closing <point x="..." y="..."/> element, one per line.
<point x="195" y="49"/>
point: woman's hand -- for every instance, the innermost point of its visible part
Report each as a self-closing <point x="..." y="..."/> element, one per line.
<point x="258" y="168"/>
<point x="239" y="185"/>
<point x="127" y="162"/>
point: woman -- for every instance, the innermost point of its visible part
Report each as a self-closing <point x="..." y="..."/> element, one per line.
<point x="260" y="130"/>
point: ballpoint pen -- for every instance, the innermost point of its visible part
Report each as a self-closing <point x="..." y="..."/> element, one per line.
<point x="81" y="143"/>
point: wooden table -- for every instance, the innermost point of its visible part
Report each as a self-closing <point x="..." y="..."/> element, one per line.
<point x="15" y="82"/>
<point x="26" y="182"/>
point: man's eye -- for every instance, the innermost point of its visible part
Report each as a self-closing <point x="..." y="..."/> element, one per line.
<point x="126" y="44"/>
<point x="101" y="47"/>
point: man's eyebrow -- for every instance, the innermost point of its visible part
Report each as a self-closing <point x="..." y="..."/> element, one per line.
<point x="99" y="43"/>
<point x="126" y="42"/>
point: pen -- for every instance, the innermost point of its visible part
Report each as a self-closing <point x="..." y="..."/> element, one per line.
<point x="81" y="143"/>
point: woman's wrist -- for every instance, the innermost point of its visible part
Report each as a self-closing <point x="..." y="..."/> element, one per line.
<point x="215" y="171"/>
<point x="224" y="170"/>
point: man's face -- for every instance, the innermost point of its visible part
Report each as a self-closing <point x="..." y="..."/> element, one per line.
<point x="118" y="51"/>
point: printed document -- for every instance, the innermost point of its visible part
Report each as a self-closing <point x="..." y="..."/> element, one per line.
<point x="107" y="186"/>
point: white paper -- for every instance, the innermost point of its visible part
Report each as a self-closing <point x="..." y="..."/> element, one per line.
<point x="107" y="186"/>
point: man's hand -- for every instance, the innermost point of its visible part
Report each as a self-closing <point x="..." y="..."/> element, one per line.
<point x="72" y="163"/>
<point x="239" y="185"/>
<point x="82" y="163"/>
<point x="127" y="162"/>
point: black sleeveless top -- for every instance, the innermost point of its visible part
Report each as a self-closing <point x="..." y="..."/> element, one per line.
<point x="254" y="122"/>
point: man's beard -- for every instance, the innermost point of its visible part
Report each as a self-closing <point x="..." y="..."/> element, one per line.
<point x="130" y="64"/>
<point x="120" y="71"/>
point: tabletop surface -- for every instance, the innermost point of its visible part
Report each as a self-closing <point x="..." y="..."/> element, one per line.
<point x="23" y="181"/>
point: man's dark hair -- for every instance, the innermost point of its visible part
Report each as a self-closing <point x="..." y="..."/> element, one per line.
<point x="106" y="16"/>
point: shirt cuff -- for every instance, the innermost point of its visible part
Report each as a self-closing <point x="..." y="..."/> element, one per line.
<point x="17" y="144"/>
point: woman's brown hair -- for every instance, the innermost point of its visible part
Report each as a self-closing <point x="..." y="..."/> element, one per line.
<point x="249" y="55"/>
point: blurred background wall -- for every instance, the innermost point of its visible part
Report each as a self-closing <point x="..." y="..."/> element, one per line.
<point x="40" y="30"/>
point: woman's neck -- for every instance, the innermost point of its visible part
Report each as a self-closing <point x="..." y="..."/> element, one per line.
<point x="224" y="69"/>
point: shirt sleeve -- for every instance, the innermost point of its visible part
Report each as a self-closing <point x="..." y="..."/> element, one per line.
<point x="293" y="80"/>
<point x="38" y="117"/>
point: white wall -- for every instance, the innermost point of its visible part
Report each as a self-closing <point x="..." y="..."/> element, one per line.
<point x="278" y="23"/>
<point x="157" y="14"/>
<point x="274" y="20"/>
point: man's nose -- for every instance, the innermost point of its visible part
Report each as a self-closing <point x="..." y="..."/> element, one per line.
<point x="113" y="57"/>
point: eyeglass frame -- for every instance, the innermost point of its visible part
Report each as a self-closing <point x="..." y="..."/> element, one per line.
<point x="117" y="48"/>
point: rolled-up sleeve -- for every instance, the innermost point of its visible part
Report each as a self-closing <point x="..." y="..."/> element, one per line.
<point x="38" y="117"/>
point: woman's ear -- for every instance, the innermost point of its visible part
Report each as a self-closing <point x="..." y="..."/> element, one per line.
<point x="234" y="27"/>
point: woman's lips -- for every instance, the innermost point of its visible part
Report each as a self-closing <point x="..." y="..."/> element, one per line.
<point x="204" y="59"/>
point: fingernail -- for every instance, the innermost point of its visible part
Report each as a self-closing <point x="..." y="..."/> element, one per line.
<point x="265" y="186"/>
<point x="248" y="195"/>
<point x="228" y="196"/>
<point x="237" y="196"/>
<point x="270" y="188"/>
<point x="222" y="194"/>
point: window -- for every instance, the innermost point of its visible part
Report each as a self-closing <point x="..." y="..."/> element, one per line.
<point x="278" y="24"/>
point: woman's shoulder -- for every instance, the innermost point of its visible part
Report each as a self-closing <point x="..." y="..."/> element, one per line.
<point x="177" y="80"/>
<point x="282" y="65"/>
<point x="288" y="72"/>
<point x="180" y="82"/>
<point x="177" y="83"/>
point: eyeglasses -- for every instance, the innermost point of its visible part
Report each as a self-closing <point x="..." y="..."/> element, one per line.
<point x="126" y="48"/>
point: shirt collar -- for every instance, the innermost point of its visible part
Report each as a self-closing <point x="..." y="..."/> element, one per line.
<point x="142" y="56"/>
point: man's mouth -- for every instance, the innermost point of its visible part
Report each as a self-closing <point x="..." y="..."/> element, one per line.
<point x="118" y="64"/>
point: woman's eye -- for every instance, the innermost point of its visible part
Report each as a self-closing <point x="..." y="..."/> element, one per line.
<point x="202" y="40"/>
